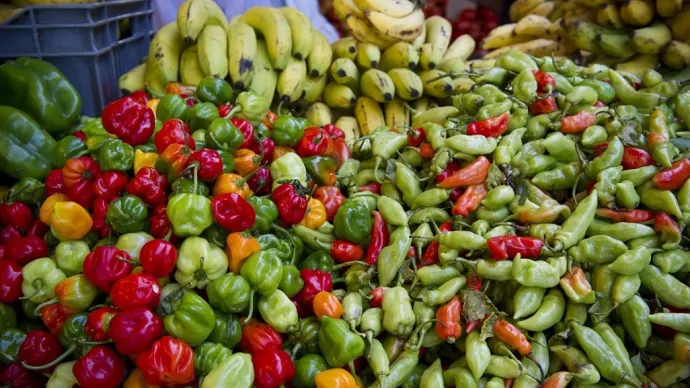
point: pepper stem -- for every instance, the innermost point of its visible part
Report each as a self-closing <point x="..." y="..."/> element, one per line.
<point x="251" y="307"/>
<point x="349" y="263"/>
<point x="235" y="109"/>
<point x="56" y="361"/>
<point x="38" y="284"/>
<point x="38" y="308"/>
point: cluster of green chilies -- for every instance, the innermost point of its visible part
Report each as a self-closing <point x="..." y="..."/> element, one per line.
<point x="528" y="233"/>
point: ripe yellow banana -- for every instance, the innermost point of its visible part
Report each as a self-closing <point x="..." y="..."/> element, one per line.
<point x="314" y="88"/>
<point x="193" y="15"/>
<point x="543" y="9"/>
<point x="680" y="25"/>
<point x="368" y="55"/>
<point x="676" y="55"/>
<point x="537" y="47"/>
<point x="363" y="32"/>
<point x="408" y="85"/>
<point x="134" y="79"/>
<point x="533" y="25"/>
<point x="440" y="87"/>
<point x="502" y="36"/>
<point x="241" y="52"/>
<point x="421" y="105"/>
<point x="378" y="85"/>
<point x="651" y="39"/>
<point x="610" y="16"/>
<point x="393" y="8"/>
<point x="616" y="44"/>
<point x="275" y="30"/>
<point x="583" y="34"/>
<point x="349" y="126"/>
<point x="453" y="65"/>
<point x="462" y="48"/>
<point x="265" y="78"/>
<point x="668" y="8"/>
<point x="342" y="8"/>
<point x="438" y="34"/>
<point x="556" y="29"/>
<point x="301" y="30"/>
<point x="339" y="96"/>
<point x="462" y="85"/>
<point x="163" y="62"/>
<point x="369" y="115"/>
<point x="637" y="13"/>
<point x="291" y="80"/>
<point x="401" y="54"/>
<point x="321" y="55"/>
<point x="396" y="114"/>
<point x="638" y="64"/>
<point x="345" y="72"/>
<point x="190" y="70"/>
<point x="520" y="8"/>
<point x="419" y="41"/>
<point x="345" y="48"/>
<point x="213" y="51"/>
<point x="406" y="28"/>
<point x="319" y="114"/>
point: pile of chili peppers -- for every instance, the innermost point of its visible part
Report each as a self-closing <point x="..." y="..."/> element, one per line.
<point x="531" y="235"/>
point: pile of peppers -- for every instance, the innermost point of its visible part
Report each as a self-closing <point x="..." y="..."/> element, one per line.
<point x="530" y="232"/>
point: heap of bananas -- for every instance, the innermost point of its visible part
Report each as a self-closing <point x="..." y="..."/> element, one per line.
<point x="633" y="35"/>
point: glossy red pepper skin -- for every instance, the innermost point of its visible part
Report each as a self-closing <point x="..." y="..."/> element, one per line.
<point x="341" y="152"/>
<point x="315" y="281"/>
<point x="315" y="142"/>
<point x="290" y="198"/>
<point x="415" y="137"/>
<point x="672" y="178"/>
<point x="9" y="233"/>
<point x="332" y="131"/>
<point x="16" y="214"/>
<point x="158" y="257"/>
<point x="272" y="368"/>
<point x="26" y="249"/>
<point x="379" y="239"/>
<point x="666" y="226"/>
<point x="97" y="325"/>
<point x="426" y="150"/>
<point x="173" y="161"/>
<point x="39" y="348"/>
<point x="247" y="130"/>
<point x="134" y="330"/>
<point x="448" y="320"/>
<point x="331" y="198"/>
<point x="37" y="229"/>
<point x="140" y="96"/>
<point x="578" y="122"/>
<point x="260" y="183"/>
<point x="15" y="375"/>
<point x="173" y="131"/>
<point x="136" y="290"/>
<point x="109" y="184"/>
<point x="82" y="193"/>
<point x="376" y="296"/>
<point x="504" y="247"/>
<point x="130" y="120"/>
<point x="264" y="146"/>
<point x="101" y="367"/>
<point x="224" y="110"/>
<point x="470" y="200"/>
<point x="54" y="183"/>
<point x="53" y="317"/>
<point x="209" y="164"/>
<point x="491" y="127"/>
<point x="634" y="215"/>
<point x="450" y="169"/>
<point x="169" y="362"/>
<point x="149" y="185"/>
<point x="99" y="217"/>
<point x="232" y="212"/>
<point x="634" y="157"/>
<point x="346" y="251"/>
<point x="160" y="223"/>
<point x="373" y="187"/>
<point x="79" y="169"/>
<point x="106" y="265"/>
<point x="258" y="337"/>
<point x="544" y="105"/>
<point x="10" y="281"/>
<point x="545" y="82"/>
<point x="430" y="255"/>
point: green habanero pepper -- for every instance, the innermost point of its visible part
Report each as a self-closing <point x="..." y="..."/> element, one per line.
<point x="291" y="283"/>
<point x="338" y="344"/>
<point x="287" y="131"/>
<point x="611" y="157"/>
<point x="229" y="293"/>
<point x="306" y="369"/>
<point x="288" y="167"/>
<point x="40" y="278"/>
<point x="27" y="149"/>
<point x="264" y="271"/>
<point x="187" y="186"/>
<point x="236" y="371"/>
<point x="28" y="190"/>
<point x="171" y="106"/>
<point x="266" y="213"/>
<point x="10" y="341"/>
<point x="353" y="222"/>
<point x="67" y="148"/>
<point x="227" y="331"/>
<point x="279" y="312"/>
<point x="222" y="134"/>
<point x="320" y="260"/>
<point x="229" y="163"/>
<point x="70" y="256"/>
<point x="199" y="263"/>
<point x="208" y="355"/>
<point x="214" y="90"/>
<point x="128" y="214"/>
<point x="216" y="234"/>
<point x="190" y="319"/>
<point x="398" y="317"/>
<point x="132" y="243"/>
<point x="116" y="155"/>
<point x="392" y="256"/>
<point x="321" y="169"/>
<point x="201" y="115"/>
<point x="281" y="247"/>
<point x="626" y="196"/>
<point x="190" y="214"/>
<point x="544" y="274"/>
<point x="252" y="107"/>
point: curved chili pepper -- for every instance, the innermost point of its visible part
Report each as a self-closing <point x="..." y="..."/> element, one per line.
<point x="634" y="157"/>
<point x="258" y="337"/>
<point x="511" y="335"/>
<point x="379" y="238"/>
<point x="672" y="178"/>
<point x="635" y="215"/>
<point x="101" y="367"/>
<point x="344" y="251"/>
<point x="492" y="127"/>
<point x="472" y="174"/>
<point x="448" y="320"/>
<point x="504" y="247"/>
<point x="544" y="106"/>
<point x="578" y="122"/>
<point x="470" y="200"/>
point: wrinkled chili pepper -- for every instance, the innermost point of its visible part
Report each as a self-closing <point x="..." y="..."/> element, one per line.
<point x="545" y="82"/>
<point x="160" y="223"/>
<point x="634" y="157"/>
<point x="472" y="174"/>
<point x="470" y="200"/>
<point x="544" y="105"/>
<point x="492" y="127"/>
<point x="315" y="281"/>
<point x="578" y="122"/>
<point x="173" y="131"/>
<point x="635" y="215"/>
<point x="332" y="131"/>
<point x="314" y="142"/>
<point x="290" y="198"/>
<point x="150" y="186"/>
<point x="672" y="178"/>
<point x="379" y="239"/>
<point x="448" y="320"/>
<point x="504" y="247"/>
<point x="232" y="212"/>
<point x="109" y="184"/>
<point x="258" y="337"/>
<point x="511" y="335"/>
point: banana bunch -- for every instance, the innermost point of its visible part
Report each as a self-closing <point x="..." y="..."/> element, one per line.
<point x="533" y="34"/>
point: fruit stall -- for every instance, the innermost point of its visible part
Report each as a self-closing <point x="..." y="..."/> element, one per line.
<point x="440" y="197"/>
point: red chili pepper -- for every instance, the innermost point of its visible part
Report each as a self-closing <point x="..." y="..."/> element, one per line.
<point x="430" y="255"/>
<point x="345" y="251"/>
<point x="543" y="106"/>
<point x="173" y="131"/>
<point x="134" y="330"/>
<point x="634" y="157"/>
<point x="16" y="214"/>
<point x="16" y="376"/>
<point x="473" y="325"/>
<point x="9" y="233"/>
<point x="82" y="193"/>
<point x="97" y="325"/>
<point x="341" y="152"/>
<point x="209" y="164"/>
<point x="37" y="229"/>
<point x="130" y="120"/>
<point x="470" y="200"/>
<point x="667" y="227"/>
<point x="232" y="212"/>
<point x="158" y="257"/>
<point x="634" y="215"/>
<point x="55" y="183"/>
<point x="331" y="130"/>
<point x="426" y="151"/>
<point x="78" y="169"/>
<point x="545" y="82"/>
<point x="150" y="186"/>
<point x="450" y="169"/>
<point x="99" y="217"/>
<point x="504" y="247"/>
<point x="247" y="130"/>
<point x="672" y="178"/>
<point x="10" y="281"/>
<point x="173" y="161"/>
<point x="160" y="223"/>
<point x="101" y="367"/>
<point x="291" y="200"/>
<point x="331" y="198"/>
<point x="373" y="187"/>
<point x="379" y="239"/>
<point x="269" y="120"/>
<point x="136" y="290"/>
<point x="415" y="137"/>
<point x="39" y="349"/>
<point x="511" y="335"/>
<point x="105" y="265"/>
<point x="472" y="174"/>
<point x="599" y="104"/>
<point x="315" y="142"/>
<point x="491" y="127"/>
<point x="448" y="320"/>
<point x="508" y="383"/>
<point x="264" y="146"/>
<point x="578" y="122"/>
<point x="474" y="282"/>
<point x="272" y="368"/>
<point x="557" y="380"/>
<point x="315" y="281"/>
<point x="26" y="249"/>
<point x="258" y="337"/>
<point x="376" y="296"/>
<point x="169" y="362"/>
<point x="54" y="316"/>
<point x="109" y="184"/>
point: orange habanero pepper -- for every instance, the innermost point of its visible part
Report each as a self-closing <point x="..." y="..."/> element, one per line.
<point x="327" y="304"/>
<point x="335" y="378"/>
<point x="239" y="246"/>
<point x="246" y="161"/>
<point x="232" y="183"/>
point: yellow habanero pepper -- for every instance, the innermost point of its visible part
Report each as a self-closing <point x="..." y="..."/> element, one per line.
<point x="280" y="151"/>
<point x="246" y="161"/>
<point x="144" y="159"/>
<point x="136" y="380"/>
<point x="239" y="246"/>
<point x="46" y="212"/>
<point x="70" y="221"/>
<point x="153" y="104"/>
<point x="315" y="215"/>
<point x="232" y="183"/>
<point x="335" y="378"/>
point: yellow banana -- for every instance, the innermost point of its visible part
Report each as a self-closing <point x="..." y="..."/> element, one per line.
<point x="406" y="28"/>
<point x="438" y="34"/>
<point x="639" y="63"/>
<point x="610" y="16"/>
<point x="339" y="96"/>
<point x="583" y="34"/>
<point x="378" y="85"/>
<point x="637" y="13"/>
<point x="163" y="62"/>
<point x="393" y="8"/>
<point x="319" y="114"/>
<point x="401" y="54"/>
<point x="536" y="47"/>
<point x="265" y="78"/>
<point x="396" y="114"/>
<point x="462" y="48"/>
<point x="421" y="105"/>
<point x="676" y="55"/>
<point x="349" y="126"/>
<point x="680" y="25"/>
<point x="345" y="72"/>
<point x="419" y="41"/>
<point x="342" y="8"/>
<point x="668" y="8"/>
<point x="363" y="32"/>
<point x="616" y="45"/>
<point x="520" y="8"/>
<point x="241" y="52"/>
<point x="441" y="87"/>
<point x="594" y="3"/>
<point x="301" y="31"/>
<point x="462" y="85"/>
<point x="502" y="36"/>
<point x="193" y="15"/>
<point x="368" y="55"/>
<point x="275" y="30"/>
<point x="345" y="48"/>
<point x="190" y="71"/>
<point x="408" y="85"/>
<point x="543" y="9"/>
<point x="314" y="88"/>
<point x="291" y="80"/>
<point x="213" y="51"/>
<point x="651" y="39"/>
<point x="321" y="55"/>
<point x="453" y="65"/>
<point x="134" y="79"/>
<point x="533" y="25"/>
<point x="369" y="115"/>
<point x="555" y="29"/>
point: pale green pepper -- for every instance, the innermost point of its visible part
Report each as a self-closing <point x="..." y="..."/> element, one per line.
<point x="199" y="262"/>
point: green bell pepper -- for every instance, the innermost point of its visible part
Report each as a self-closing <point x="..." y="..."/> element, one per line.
<point x="214" y="90"/>
<point x="227" y="331"/>
<point x="306" y="369"/>
<point x="288" y="167"/>
<point x="67" y="148"/>
<point x="228" y="161"/>
<point x="40" y="278"/>
<point x="279" y="312"/>
<point x="29" y="190"/>
<point x="201" y="115"/>
<point x="199" y="137"/>
<point x="287" y="131"/>
<point x="252" y="107"/>
<point x="132" y="243"/>
<point x="291" y="283"/>
<point x="187" y="186"/>
<point x="190" y="319"/>
<point x="281" y="247"/>
<point x="8" y="318"/>
<point x="264" y="271"/>
<point x="189" y="214"/>
<point x="27" y="148"/>
<point x="73" y="334"/>
<point x="266" y="213"/>
<point x="70" y="256"/>
<point x="222" y="134"/>
<point x="229" y="293"/>
<point x="171" y="106"/>
<point x="307" y="338"/>
<point x="321" y="260"/>
<point x="236" y="371"/>
<point x="116" y="155"/>
<point x="10" y="341"/>
<point x="208" y="356"/>
<point x="353" y="222"/>
<point x="199" y="263"/>
<point x="128" y="214"/>
<point x="42" y="91"/>
<point x="338" y="344"/>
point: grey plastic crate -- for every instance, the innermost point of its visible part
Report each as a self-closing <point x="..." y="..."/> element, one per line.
<point x="89" y="43"/>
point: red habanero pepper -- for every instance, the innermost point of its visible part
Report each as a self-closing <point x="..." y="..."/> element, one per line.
<point x="426" y="151"/>
<point x="160" y="223"/>
<point x="16" y="214"/>
<point x="379" y="239"/>
<point x="373" y="187"/>
<point x="78" y="169"/>
<point x="232" y="212"/>
<point x="315" y="142"/>
<point x="491" y="127"/>
<point x="331" y="198"/>
<point x="634" y="157"/>
<point x="39" y="349"/>
<point x="247" y="130"/>
<point x="26" y="249"/>
<point x="260" y="183"/>
<point x="136" y="290"/>
<point x="150" y="186"/>
<point x="504" y="247"/>
<point x="101" y="367"/>
<point x="332" y="131"/>
<point x="134" y="330"/>
<point x="377" y="296"/>
<point x="173" y="161"/>
<point x="264" y="146"/>
<point x="9" y="233"/>
<point x="141" y="96"/>
<point x="37" y="229"/>
<point x="224" y="110"/>
<point x="291" y="200"/>
<point x="158" y="257"/>
<point x="512" y="336"/>
<point x="105" y="265"/>
<point x="258" y="337"/>
<point x="315" y="281"/>
<point x="415" y="137"/>
<point x="450" y="169"/>
<point x="97" y="325"/>
<point x="99" y="216"/>
<point x="448" y="320"/>
<point x="472" y="174"/>
<point x="81" y="193"/>
<point x="54" y="316"/>
<point x="341" y="152"/>
<point x="209" y="164"/>
<point x="109" y="184"/>
<point x="634" y="215"/>
<point x="55" y="183"/>
<point x="16" y="376"/>
<point x="173" y="131"/>
<point x="470" y="200"/>
<point x="169" y="362"/>
<point x="272" y="368"/>
<point x="545" y="82"/>
<point x="672" y="178"/>
<point x="544" y="105"/>
<point x="343" y="251"/>
<point x="578" y="122"/>
<point x="129" y="120"/>
<point x="10" y="281"/>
